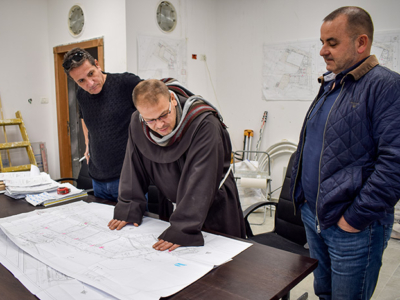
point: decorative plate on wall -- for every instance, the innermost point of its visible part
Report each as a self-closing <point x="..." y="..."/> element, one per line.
<point x="76" y="20"/>
<point x="166" y="16"/>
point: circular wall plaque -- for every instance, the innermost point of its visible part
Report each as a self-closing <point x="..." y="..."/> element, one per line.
<point x="76" y="20"/>
<point x="166" y="16"/>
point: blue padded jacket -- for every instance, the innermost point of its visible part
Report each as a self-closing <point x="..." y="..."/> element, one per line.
<point x="359" y="170"/>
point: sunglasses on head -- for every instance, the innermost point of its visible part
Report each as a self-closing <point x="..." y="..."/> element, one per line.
<point x="77" y="57"/>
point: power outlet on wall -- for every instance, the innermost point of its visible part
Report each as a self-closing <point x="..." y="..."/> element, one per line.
<point x="199" y="57"/>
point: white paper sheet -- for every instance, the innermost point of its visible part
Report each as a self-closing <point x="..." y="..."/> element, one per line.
<point x="12" y="175"/>
<point x="75" y="240"/>
<point x="41" y="280"/>
<point x="52" y="185"/>
<point x="42" y="178"/>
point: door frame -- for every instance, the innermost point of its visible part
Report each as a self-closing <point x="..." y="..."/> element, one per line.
<point x="61" y="81"/>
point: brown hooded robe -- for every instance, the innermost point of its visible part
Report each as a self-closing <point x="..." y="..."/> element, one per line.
<point x="187" y="173"/>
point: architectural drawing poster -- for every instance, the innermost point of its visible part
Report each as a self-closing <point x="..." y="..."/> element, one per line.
<point x="290" y="70"/>
<point x="161" y="58"/>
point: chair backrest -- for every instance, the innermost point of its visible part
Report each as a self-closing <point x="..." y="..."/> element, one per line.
<point x="84" y="181"/>
<point x="287" y="224"/>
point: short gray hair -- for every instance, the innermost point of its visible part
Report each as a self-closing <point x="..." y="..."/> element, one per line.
<point x="359" y="21"/>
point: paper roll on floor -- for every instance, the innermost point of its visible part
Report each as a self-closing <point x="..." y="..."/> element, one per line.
<point x="252" y="182"/>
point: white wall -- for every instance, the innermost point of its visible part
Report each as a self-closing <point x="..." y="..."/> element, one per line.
<point x="245" y="26"/>
<point x="196" y="22"/>
<point x="229" y="32"/>
<point x="242" y="28"/>
<point x="29" y="29"/>
<point x="25" y="73"/>
<point x="103" y="18"/>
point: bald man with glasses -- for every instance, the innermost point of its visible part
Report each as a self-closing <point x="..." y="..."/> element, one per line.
<point x="178" y="142"/>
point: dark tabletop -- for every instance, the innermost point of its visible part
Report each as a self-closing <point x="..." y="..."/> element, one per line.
<point x="259" y="272"/>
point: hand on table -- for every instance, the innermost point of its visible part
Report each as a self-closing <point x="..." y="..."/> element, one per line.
<point x="162" y="245"/>
<point x="118" y="224"/>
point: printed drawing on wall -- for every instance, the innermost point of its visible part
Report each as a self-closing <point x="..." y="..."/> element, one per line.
<point x="161" y="58"/>
<point x="290" y="70"/>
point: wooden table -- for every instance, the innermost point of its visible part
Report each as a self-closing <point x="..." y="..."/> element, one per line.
<point x="260" y="272"/>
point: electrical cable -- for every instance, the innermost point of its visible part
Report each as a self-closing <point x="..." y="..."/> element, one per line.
<point x="215" y="95"/>
<point x="212" y="84"/>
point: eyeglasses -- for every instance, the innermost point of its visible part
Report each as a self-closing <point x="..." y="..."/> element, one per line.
<point x="77" y="57"/>
<point x="161" y="118"/>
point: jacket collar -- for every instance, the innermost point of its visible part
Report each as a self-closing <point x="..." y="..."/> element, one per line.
<point x="370" y="63"/>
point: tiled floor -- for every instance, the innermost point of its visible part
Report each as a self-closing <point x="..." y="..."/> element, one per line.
<point x="388" y="287"/>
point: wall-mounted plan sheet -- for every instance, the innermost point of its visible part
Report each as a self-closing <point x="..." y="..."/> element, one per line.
<point x="160" y="57"/>
<point x="291" y="69"/>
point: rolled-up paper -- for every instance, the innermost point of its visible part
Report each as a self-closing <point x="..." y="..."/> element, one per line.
<point x="253" y="182"/>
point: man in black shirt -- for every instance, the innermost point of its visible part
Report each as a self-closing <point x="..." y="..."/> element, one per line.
<point x="105" y="109"/>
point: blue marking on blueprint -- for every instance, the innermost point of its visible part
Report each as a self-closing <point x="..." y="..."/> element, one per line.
<point x="179" y="265"/>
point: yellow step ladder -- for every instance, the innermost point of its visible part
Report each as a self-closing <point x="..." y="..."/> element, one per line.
<point x="23" y="144"/>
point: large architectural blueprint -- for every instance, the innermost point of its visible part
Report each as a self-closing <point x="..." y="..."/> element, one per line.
<point x="74" y="239"/>
<point x="42" y="280"/>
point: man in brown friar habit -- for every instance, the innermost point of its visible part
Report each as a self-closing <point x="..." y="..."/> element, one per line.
<point x="178" y="142"/>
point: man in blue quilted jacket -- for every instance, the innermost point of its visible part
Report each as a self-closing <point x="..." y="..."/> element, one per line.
<point x="346" y="173"/>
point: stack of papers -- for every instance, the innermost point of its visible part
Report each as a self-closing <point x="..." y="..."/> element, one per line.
<point x="38" y="188"/>
<point x="28" y="185"/>
<point x="19" y="184"/>
<point x="49" y="198"/>
<point x="12" y="175"/>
